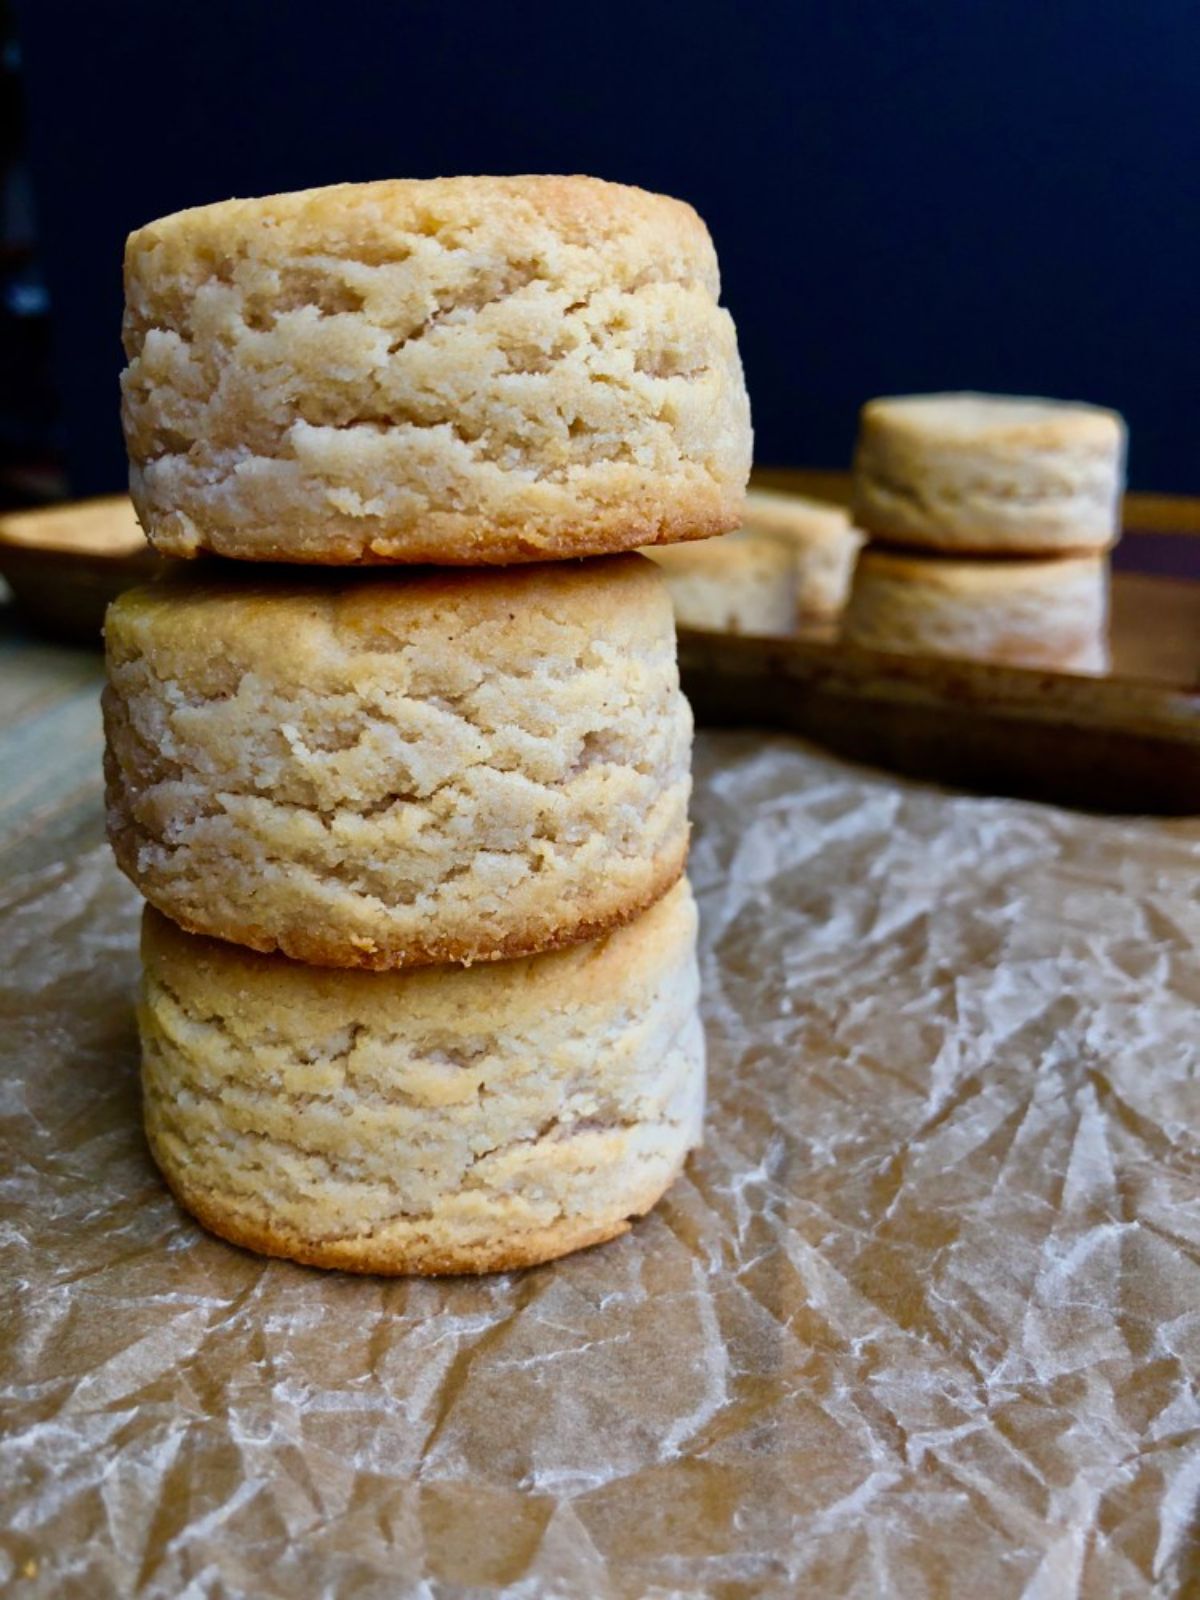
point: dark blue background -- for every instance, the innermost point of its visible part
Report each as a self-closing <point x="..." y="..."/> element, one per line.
<point x="1001" y="196"/>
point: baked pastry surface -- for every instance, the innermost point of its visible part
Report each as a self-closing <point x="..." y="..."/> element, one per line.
<point x="399" y="769"/>
<point x="453" y="371"/>
<point x="438" y="1121"/>
<point x="989" y="474"/>
<point x="1051" y="614"/>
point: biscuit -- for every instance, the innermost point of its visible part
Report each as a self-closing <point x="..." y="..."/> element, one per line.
<point x="403" y="768"/>
<point x="823" y="543"/>
<point x="740" y="583"/>
<point x="456" y="371"/>
<point x="991" y="474"/>
<point x="790" y="561"/>
<point x="445" y="1120"/>
<point x="1048" y="614"/>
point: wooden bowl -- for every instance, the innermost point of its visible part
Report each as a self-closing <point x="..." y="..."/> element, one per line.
<point x="65" y="563"/>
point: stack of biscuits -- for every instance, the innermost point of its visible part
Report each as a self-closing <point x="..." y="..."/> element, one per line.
<point x="408" y="796"/>
<point x="787" y="567"/>
<point x="991" y="518"/>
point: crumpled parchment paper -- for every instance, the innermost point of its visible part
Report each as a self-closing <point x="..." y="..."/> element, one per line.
<point x="923" y="1319"/>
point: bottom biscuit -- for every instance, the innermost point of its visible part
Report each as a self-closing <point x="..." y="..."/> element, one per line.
<point x="1050" y="614"/>
<point x="436" y="1121"/>
<point x="408" y="1249"/>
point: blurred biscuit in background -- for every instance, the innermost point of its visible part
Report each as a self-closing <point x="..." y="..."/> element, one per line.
<point x="989" y="474"/>
<point x="789" y="564"/>
<point x="824" y="547"/>
<point x="743" y="582"/>
<point x="1049" y="614"/>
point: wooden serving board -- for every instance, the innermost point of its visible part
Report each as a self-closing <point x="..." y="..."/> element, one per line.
<point x="1125" y="741"/>
<point x="1128" y="741"/>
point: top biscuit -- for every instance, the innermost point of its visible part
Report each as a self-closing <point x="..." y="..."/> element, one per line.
<point x="458" y="371"/>
<point x="990" y="474"/>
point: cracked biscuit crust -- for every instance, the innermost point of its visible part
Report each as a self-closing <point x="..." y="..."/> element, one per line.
<point x="404" y="769"/>
<point x="457" y="371"/>
<point x="1050" y="614"/>
<point x="989" y="474"/>
<point x="429" y="1122"/>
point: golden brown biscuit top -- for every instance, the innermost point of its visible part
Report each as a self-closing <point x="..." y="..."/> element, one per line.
<point x="794" y="517"/>
<point x="283" y="617"/>
<point x="967" y="418"/>
<point x="976" y="575"/>
<point x="385" y="221"/>
<point x="626" y="963"/>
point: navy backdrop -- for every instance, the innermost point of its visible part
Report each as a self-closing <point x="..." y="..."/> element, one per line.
<point x="903" y="196"/>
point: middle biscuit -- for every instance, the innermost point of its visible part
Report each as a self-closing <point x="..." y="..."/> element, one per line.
<point x="396" y="771"/>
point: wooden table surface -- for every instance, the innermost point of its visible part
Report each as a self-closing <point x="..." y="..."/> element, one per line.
<point x="933" y="1275"/>
<point x="942" y="1233"/>
<point x="50" y="745"/>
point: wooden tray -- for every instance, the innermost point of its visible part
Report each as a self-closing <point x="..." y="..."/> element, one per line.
<point x="1125" y="741"/>
<point x="1128" y="741"/>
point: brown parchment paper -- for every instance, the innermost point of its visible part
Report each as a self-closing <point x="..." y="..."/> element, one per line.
<point x="923" y="1319"/>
